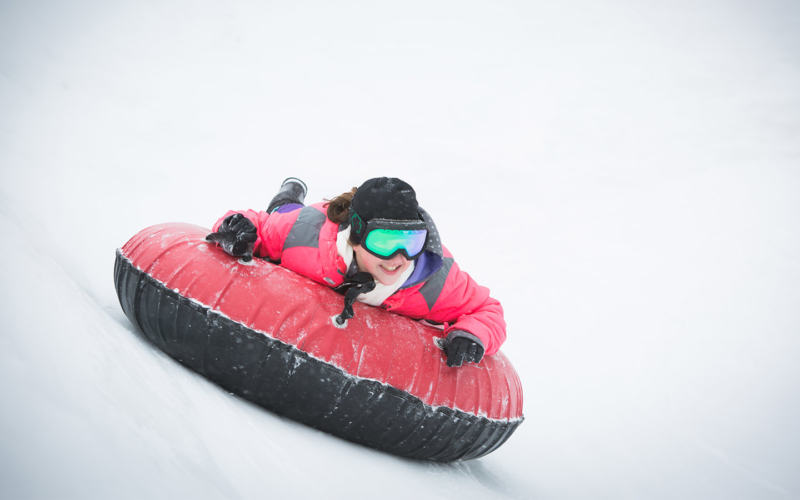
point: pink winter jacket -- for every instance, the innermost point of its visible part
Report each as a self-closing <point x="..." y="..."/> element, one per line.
<point x="304" y="241"/>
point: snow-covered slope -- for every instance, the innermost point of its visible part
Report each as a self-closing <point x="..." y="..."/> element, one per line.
<point x="623" y="176"/>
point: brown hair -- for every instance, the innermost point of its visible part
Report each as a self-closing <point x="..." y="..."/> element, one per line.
<point x="339" y="207"/>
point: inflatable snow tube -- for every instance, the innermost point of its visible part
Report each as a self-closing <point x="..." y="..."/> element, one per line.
<point x="266" y="334"/>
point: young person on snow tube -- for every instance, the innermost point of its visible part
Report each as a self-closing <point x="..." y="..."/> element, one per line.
<point x="376" y="245"/>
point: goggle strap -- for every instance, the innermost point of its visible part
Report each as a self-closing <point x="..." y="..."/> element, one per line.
<point x="357" y="226"/>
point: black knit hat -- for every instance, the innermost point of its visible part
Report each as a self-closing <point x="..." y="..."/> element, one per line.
<point x="382" y="198"/>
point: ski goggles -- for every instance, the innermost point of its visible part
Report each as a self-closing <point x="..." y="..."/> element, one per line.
<point x="386" y="238"/>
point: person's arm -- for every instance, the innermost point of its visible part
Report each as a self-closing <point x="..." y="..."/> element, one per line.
<point x="270" y="231"/>
<point x="469" y="312"/>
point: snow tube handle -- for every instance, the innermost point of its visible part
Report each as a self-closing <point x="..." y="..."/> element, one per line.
<point x="361" y="283"/>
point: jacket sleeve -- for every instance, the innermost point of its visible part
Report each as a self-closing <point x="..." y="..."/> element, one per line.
<point x="272" y="230"/>
<point x="465" y="305"/>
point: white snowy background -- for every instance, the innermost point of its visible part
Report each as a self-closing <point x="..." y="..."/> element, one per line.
<point x="624" y="176"/>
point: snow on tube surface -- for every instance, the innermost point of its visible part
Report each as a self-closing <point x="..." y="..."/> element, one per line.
<point x="266" y="334"/>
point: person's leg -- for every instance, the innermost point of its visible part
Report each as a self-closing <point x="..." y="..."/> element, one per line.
<point x="290" y="196"/>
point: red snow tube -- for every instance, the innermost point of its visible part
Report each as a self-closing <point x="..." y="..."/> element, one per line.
<point x="266" y="334"/>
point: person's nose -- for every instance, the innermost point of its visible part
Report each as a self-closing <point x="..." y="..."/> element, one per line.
<point x="398" y="260"/>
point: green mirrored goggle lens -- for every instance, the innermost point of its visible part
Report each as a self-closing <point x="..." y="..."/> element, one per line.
<point x="387" y="242"/>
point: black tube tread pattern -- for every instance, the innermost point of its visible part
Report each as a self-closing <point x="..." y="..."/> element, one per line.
<point x="290" y="382"/>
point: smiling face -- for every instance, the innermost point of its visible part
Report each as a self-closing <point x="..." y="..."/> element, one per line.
<point x="386" y="271"/>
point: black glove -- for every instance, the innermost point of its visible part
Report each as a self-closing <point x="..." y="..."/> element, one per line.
<point x="237" y="236"/>
<point x="460" y="349"/>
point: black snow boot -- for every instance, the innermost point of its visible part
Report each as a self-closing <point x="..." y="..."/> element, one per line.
<point x="293" y="190"/>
